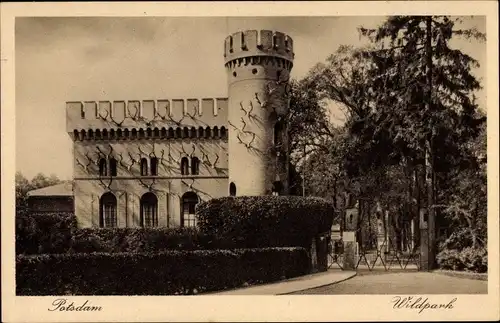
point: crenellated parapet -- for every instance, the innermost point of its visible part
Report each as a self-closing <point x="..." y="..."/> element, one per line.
<point x="165" y="118"/>
<point x="258" y="43"/>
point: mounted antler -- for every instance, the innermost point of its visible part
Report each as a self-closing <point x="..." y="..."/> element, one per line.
<point x="244" y="125"/>
<point x="95" y="162"/>
<point x="249" y="145"/>
<point x="129" y="167"/>
<point x="106" y="117"/>
<point x="83" y="166"/>
<point x="243" y="109"/>
<point x="262" y="104"/>
<point x="205" y="159"/>
<point x="119" y="124"/>
<point x="136" y="114"/>
<point x="232" y="125"/>
<point x="216" y="160"/>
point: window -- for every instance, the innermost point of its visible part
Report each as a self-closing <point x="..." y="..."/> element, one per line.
<point x="75" y="134"/>
<point x="278" y="134"/>
<point x="144" y="167"/>
<point x="185" y="133"/>
<point x="193" y="132"/>
<point x="277" y="188"/>
<point x="195" y="166"/>
<point x="184" y="166"/>
<point x="154" y="166"/>
<point x="112" y="167"/>
<point x="107" y="211"/>
<point x="223" y="133"/>
<point x="103" y="167"/>
<point x="189" y="201"/>
<point x="207" y="132"/>
<point x="232" y="189"/>
<point x="216" y="132"/>
<point x="149" y="210"/>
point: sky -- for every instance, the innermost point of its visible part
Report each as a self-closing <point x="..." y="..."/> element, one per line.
<point x="126" y="58"/>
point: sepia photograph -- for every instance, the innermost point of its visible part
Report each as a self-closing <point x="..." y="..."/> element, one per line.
<point x="256" y="155"/>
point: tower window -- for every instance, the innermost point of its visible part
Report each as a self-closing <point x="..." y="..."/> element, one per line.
<point x="232" y="189"/>
<point x="112" y="167"/>
<point x="254" y="71"/>
<point x="278" y="133"/>
<point x="103" y="167"/>
<point x="277" y="188"/>
<point x="144" y="167"/>
<point x="184" y="166"/>
<point x="195" y="166"/>
<point x="154" y="166"/>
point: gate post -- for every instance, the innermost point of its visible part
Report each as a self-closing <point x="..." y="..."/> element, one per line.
<point x="349" y="239"/>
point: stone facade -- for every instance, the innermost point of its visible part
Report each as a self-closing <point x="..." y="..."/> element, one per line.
<point x="138" y="160"/>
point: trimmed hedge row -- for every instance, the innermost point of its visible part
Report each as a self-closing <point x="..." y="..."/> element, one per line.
<point x="138" y="240"/>
<point x="44" y="232"/>
<point x="165" y="273"/>
<point x="263" y="221"/>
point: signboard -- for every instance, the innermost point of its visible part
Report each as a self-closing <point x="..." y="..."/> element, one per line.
<point x="349" y="236"/>
<point x="336" y="232"/>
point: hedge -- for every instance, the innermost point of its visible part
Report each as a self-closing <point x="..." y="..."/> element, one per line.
<point x="138" y="240"/>
<point x="264" y="221"/>
<point x="467" y="259"/>
<point x="44" y="232"/>
<point x="166" y="273"/>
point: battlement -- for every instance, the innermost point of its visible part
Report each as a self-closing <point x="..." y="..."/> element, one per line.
<point x="146" y="113"/>
<point x="258" y="43"/>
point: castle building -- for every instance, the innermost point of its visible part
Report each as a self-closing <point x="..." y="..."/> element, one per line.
<point x="147" y="163"/>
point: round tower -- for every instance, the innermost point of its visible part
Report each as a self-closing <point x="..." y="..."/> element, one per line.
<point x="258" y="65"/>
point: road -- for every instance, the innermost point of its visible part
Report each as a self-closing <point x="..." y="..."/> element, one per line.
<point x="403" y="282"/>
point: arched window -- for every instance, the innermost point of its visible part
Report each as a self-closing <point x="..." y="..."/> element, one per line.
<point x="154" y="166"/>
<point x="156" y="133"/>
<point x="195" y="166"/>
<point x="82" y="135"/>
<point x="171" y="133"/>
<point x="188" y="217"/>
<point x="144" y="167"/>
<point x="90" y="134"/>
<point x="107" y="211"/>
<point x="185" y="133"/>
<point x="75" y="135"/>
<point x="112" y="166"/>
<point x="141" y="133"/>
<point x="278" y="133"/>
<point x="98" y="134"/>
<point x="223" y="132"/>
<point x="127" y="133"/>
<point x="216" y="132"/>
<point x="163" y="132"/>
<point x="184" y="166"/>
<point x="104" y="134"/>
<point x="208" y="133"/>
<point x="103" y="171"/>
<point x="232" y="189"/>
<point x="201" y="132"/>
<point x="119" y="133"/>
<point x="149" y="210"/>
<point x="277" y="188"/>
<point x="178" y="133"/>
<point x="112" y="134"/>
<point x="149" y="133"/>
<point x="193" y="132"/>
<point x="134" y="133"/>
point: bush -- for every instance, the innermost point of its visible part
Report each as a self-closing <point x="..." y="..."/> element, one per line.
<point x="137" y="240"/>
<point x="166" y="273"/>
<point x="475" y="260"/>
<point x="264" y="221"/>
<point x="44" y="232"/>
